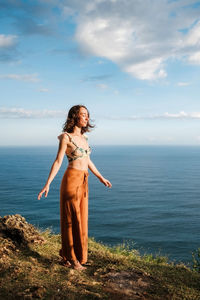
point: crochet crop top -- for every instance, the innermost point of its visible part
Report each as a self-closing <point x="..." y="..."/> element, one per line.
<point x="78" y="152"/>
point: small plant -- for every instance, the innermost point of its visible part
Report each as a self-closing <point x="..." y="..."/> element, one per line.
<point x="126" y="248"/>
<point x="158" y="259"/>
<point x="196" y="260"/>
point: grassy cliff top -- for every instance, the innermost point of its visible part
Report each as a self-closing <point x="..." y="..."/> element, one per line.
<point x="31" y="268"/>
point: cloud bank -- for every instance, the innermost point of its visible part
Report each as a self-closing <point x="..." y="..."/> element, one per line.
<point x="25" y="77"/>
<point x="8" y="45"/>
<point x="7" y="41"/>
<point x="21" y="113"/>
<point x="139" y="36"/>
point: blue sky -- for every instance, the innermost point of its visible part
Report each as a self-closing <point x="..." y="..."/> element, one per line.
<point x="134" y="64"/>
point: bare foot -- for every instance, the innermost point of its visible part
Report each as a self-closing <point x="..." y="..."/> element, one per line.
<point x="76" y="265"/>
<point x="64" y="262"/>
<point x="67" y="263"/>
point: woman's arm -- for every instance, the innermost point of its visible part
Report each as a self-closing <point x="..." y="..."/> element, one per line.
<point x="94" y="170"/>
<point x="56" y="165"/>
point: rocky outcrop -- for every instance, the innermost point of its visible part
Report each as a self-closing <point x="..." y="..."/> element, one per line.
<point x="15" y="232"/>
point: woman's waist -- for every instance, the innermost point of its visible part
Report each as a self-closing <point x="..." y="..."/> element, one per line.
<point x="76" y="169"/>
<point x="74" y="177"/>
<point x="81" y="165"/>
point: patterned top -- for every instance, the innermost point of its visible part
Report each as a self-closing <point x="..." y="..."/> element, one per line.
<point x="78" y="152"/>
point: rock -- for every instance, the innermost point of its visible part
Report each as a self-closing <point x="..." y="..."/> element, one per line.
<point x="18" y="232"/>
<point x="7" y="246"/>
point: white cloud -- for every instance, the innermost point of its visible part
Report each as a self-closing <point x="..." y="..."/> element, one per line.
<point x="195" y="58"/>
<point x="100" y="62"/>
<point x="182" y="115"/>
<point x="99" y="37"/>
<point x="21" y="113"/>
<point x="14" y="112"/>
<point x="102" y="86"/>
<point x="25" y="77"/>
<point x="139" y="36"/>
<point x="165" y="116"/>
<point x="7" y="41"/>
<point x="43" y="90"/>
<point x="116" y="92"/>
<point x="193" y="38"/>
<point x="67" y="11"/>
<point x="153" y="139"/>
<point x="183" y="83"/>
<point x="151" y="69"/>
<point x="179" y="115"/>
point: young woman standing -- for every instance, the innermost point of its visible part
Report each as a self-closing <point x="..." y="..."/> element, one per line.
<point x="74" y="186"/>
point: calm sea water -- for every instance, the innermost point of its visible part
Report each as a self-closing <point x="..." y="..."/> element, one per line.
<point x="154" y="202"/>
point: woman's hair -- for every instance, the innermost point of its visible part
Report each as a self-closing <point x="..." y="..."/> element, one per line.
<point x="72" y="120"/>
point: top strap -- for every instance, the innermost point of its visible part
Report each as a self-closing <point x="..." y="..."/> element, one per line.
<point x="85" y="136"/>
<point x="70" y="138"/>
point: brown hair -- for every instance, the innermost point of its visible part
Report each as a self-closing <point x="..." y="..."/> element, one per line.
<point x="72" y="120"/>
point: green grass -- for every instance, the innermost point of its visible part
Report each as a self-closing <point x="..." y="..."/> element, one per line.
<point x="112" y="273"/>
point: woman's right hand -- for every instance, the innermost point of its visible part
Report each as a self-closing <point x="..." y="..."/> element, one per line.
<point x="44" y="190"/>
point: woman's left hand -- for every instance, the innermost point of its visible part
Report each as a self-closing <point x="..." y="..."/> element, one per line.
<point x="106" y="182"/>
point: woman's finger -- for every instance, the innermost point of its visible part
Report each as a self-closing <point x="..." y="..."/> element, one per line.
<point x="40" y="195"/>
<point x="109" y="184"/>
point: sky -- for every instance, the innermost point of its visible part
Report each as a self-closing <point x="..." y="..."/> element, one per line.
<point x="134" y="64"/>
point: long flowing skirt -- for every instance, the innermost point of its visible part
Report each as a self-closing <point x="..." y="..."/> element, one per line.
<point x="74" y="215"/>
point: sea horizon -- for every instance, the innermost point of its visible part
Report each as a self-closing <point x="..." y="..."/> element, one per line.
<point x="153" y="203"/>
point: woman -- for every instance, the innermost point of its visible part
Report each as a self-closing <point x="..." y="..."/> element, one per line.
<point x="74" y="186"/>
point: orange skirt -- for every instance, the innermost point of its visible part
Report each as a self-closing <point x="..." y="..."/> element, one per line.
<point x="74" y="215"/>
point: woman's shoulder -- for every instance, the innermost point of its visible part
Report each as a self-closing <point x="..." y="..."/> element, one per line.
<point x="64" y="135"/>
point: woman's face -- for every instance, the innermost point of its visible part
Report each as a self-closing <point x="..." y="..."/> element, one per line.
<point x="83" y="117"/>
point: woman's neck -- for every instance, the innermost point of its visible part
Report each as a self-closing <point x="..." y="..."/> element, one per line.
<point x="77" y="131"/>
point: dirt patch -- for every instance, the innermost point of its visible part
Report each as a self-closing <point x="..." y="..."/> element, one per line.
<point x="128" y="284"/>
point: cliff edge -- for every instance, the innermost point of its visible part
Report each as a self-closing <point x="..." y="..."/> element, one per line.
<point x="31" y="268"/>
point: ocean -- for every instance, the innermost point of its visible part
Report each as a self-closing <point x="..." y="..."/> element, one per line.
<point x="153" y="205"/>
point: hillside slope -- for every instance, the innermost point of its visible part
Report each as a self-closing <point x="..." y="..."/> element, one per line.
<point x="32" y="269"/>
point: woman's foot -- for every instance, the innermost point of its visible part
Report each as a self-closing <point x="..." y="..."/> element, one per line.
<point x="76" y="265"/>
<point x="64" y="262"/>
<point x="67" y="263"/>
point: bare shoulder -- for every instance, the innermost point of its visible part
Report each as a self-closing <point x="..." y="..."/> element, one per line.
<point x="63" y="137"/>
